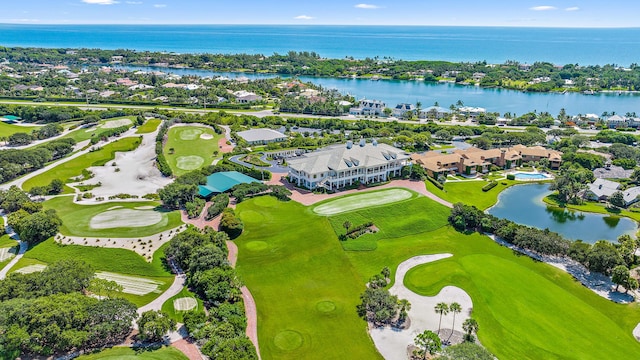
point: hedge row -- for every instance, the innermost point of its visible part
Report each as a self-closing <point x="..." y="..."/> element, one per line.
<point x="489" y="186"/>
<point x="161" y="161"/>
<point x="359" y="227"/>
<point x="220" y="202"/>
<point x="435" y="182"/>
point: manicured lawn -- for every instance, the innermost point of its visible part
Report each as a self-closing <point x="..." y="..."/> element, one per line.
<point x="525" y="309"/>
<point x="6" y="241"/>
<point x="82" y="134"/>
<point x="76" y="218"/>
<point x="190" y="150"/>
<point x="9" y="129"/>
<point x="304" y="286"/>
<point x="74" y="167"/>
<point x="470" y="192"/>
<point x="125" y="353"/>
<point x="363" y="200"/>
<point x="149" y="126"/>
<point x="104" y="259"/>
<point x="168" y="308"/>
<point x="594" y="207"/>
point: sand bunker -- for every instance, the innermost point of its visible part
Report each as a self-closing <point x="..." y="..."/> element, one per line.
<point x="116" y="123"/>
<point x="125" y="218"/>
<point x="636" y="332"/>
<point x="191" y="162"/>
<point x="185" y="304"/>
<point x="392" y="343"/>
<point x="206" y="136"/>
<point x="361" y="201"/>
<point x="31" y="269"/>
<point x="7" y="253"/>
<point x="131" y="284"/>
<point x="190" y="133"/>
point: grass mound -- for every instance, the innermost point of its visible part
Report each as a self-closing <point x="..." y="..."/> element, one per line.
<point x="190" y="133"/>
<point x="288" y="340"/>
<point x="185" y="304"/>
<point x="364" y="200"/>
<point x="188" y="163"/>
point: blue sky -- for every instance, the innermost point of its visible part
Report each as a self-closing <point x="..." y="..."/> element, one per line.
<point x="545" y="13"/>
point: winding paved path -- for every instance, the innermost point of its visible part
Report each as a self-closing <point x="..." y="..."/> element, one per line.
<point x="23" y="248"/>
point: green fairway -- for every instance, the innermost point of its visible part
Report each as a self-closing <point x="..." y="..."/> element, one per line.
<point x="525" y="309"/>
<point x="7" y="241"/>
<point x="82" y="133"/>
<point x="78" y="219"/>
<point x="74" y="167"/>
<point x="125" y="353"/>
<point x="304" y="286"/>
<point x="362" y="200"/>
<point x="470" y="192"/>
<point x="190" y="148"/>
<point x="7" y="130"/>
<point x="149" y="126"/>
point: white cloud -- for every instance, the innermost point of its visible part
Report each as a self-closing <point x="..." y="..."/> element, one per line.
<point x="367" y="6"/>
<point x="100" y="2"/>
<point x="573" y="8"/>
<point x="133" y="2"/>
<point x="159" y="6"/>
<point x="303" y="17"/>
<point x="543" y="8"/>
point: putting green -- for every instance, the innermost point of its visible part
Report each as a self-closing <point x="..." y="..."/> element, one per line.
<point x="126" y="218"/>
<point x="190" y="133"/>
<point x="360" y="201"/>
<point x="288" y="340"/>
<point x="189" y="163"/>
<point x="185" y="304"/>
<point x="326" y="307"/>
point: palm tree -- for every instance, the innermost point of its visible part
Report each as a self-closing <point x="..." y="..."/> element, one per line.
<point x="405" y="306"/>
<point x="455" y="308"/>
<point x="442" y="309"/>
<point x="470" y="326"/>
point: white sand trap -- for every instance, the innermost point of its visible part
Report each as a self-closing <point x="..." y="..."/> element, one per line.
<point x="7" y="253"/>
<point x="31" y="269"/>
<point x="116" y="123"/>
<point x="115" y="207"/>
<point x="392" y="343"/>
<point x="190" y="134"/>
<point x="149" y="207"/>
<point x="125" y="218"/>
<point x="191" y="162"/>
<point x="206" y="136"/>
<point x="131" y="284"/>
<point x="138" y="174"/>
<point x="636" y="332"/>
<point x="360" y="201"/>
<point x="185" y="304"/>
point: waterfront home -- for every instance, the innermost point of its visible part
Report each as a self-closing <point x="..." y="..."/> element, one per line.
<point x="602" y="189"/>
<point x="261" y="136"/>
<point x="368" y="107"/>
<point x="347" y="164"/>
<point x="470" y="112"/>
<point x="474" y="161"/>
<point x="401" y="109"/>
<point x="434" y="112"/>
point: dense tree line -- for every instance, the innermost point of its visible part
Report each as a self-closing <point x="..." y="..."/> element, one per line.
<point x="15" y="162"/>
<point x="601" y="257"/>
<point x="378" y="306"/>
<point x="27" y="218"/>
<point x="46" y="313"/>
<point x="203" y="257"/>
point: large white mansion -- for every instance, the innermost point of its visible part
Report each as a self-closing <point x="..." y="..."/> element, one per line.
<point x="342" y="165"/>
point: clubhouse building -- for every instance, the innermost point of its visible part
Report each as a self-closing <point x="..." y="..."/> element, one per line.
<point x="474" y="161"/>
<point x="342" y="165"/>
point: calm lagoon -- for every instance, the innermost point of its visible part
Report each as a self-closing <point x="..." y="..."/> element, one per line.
<point x="523" y="205"/>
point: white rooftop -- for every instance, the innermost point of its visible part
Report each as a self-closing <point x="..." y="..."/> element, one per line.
<point x="254" y="135"/>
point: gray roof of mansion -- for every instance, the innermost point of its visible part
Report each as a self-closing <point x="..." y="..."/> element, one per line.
<point x="613" y="172"/>
<point x="602" y="187"/>
<point x="253" y="135"/>
<point x="340" y="157"/>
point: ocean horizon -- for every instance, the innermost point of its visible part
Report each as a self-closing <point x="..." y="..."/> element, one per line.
<point x="584" y="46"/>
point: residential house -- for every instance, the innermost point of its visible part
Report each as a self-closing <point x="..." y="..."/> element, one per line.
<point x="401" y="109"/>
<point x="470" y="112"/>
<point x="369" y="107"/>
<point x="244" y="97"/>
<point x="434" y="112"/>
<point x="348" y="164"/>
<point x="602" y="189"/>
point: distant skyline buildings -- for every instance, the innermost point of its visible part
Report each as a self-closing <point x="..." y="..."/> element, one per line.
<point x="521" y="13"/>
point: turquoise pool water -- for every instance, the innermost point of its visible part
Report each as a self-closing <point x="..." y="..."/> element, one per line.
<point x="530" y="176"/>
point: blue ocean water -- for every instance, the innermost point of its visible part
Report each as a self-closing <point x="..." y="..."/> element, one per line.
<point x="494" y="44"/>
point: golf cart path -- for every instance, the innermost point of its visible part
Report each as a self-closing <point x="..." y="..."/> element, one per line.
<point x="23" y="248"/>
<point x="173" y="290"/>
<point x="249" y="303"/>
<point x="391" y="342"/>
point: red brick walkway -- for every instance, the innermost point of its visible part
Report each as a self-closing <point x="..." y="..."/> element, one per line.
<point x="188" y="348"/>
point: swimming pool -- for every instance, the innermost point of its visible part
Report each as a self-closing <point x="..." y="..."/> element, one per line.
<point x="531" y="176"/>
